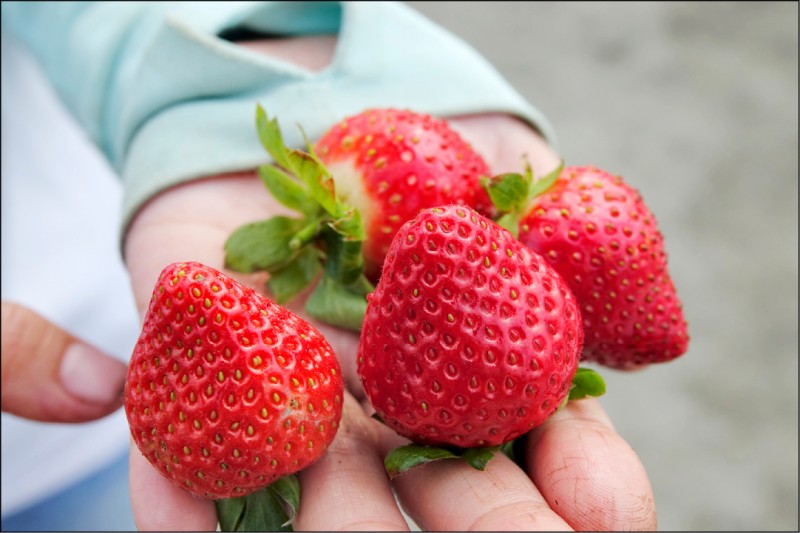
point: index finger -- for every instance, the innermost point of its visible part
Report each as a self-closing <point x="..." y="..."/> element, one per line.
<point x="587" y="472"/>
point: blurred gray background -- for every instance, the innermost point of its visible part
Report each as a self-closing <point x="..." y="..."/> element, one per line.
<point x="696" y="105"/>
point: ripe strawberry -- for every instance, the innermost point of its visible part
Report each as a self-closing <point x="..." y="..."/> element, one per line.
<point x="470" y="339"/>
<point x="227" y="391"/>
<point x="391" y="163"/>
<point x="597" y="232"/>
<point x="353" y="189"/>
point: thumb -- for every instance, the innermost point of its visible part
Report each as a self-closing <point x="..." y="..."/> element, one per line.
<point x="51" y="376"/>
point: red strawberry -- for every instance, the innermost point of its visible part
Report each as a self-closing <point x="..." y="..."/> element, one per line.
<point x="470" y="339"/>
<point x="597" y="232"/>
<point x="227" y="391"/>
<point x="390" y="163"/>
<point x="366" y="177"/>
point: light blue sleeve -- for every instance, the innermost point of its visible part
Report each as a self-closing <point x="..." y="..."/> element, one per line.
<point x="167" y="100"/>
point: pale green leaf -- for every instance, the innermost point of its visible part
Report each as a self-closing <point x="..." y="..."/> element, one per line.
<point x="337" y="304"/>
<point x="286" y="189"/>
<point x="586" y="382"/>
<point x="262" y="245"/>
<point x="410" y="456"/>
<point x="287" y="282"/>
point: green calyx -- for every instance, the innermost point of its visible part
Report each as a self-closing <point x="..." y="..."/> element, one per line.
<point x="585" y="383"/>
<point x="272" y="508"/>
<point x="512" y="193"/>
<point x="410" y="456"/>
<point x="323" y="242"/>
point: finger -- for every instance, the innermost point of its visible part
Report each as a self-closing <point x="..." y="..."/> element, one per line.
<point x="588" y="473"/>
<point x="49" y="375"/>
<point x="451" y="495"/>
<point x="348" y="489"/>
<point x="159" y="505"/>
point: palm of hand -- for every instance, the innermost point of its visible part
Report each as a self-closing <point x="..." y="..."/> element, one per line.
<point x="581" y="474"/>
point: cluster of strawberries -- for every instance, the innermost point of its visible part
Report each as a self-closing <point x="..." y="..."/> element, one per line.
<point x="476" y="298"/>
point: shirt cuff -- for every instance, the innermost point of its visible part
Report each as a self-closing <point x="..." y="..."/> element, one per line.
<point x="387" y="55"/>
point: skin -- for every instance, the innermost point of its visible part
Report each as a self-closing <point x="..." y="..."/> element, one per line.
<point x="580" y="474"/>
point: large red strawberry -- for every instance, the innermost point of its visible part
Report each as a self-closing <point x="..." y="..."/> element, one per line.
<point x="598" y="233"/>
<point x="352" y="190"/>
<point x="470" y="339"/>
<point x="227" y="391"/>
<point x="391" y="163"/>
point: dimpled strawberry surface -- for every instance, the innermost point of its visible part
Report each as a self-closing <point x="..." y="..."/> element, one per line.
<point x="226" y="390"/>
<point x="470" y="339"/>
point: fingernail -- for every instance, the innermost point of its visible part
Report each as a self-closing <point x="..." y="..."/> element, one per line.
<point x="92" y="375"/>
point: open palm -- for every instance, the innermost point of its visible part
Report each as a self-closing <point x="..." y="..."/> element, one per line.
<point x="580" y="473"/>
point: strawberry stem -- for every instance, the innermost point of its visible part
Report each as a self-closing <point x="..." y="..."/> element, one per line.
<point x="328" y="236"/>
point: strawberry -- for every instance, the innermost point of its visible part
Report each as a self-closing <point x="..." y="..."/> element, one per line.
<point x="390" y="163"/>
<point x="598" y="233"/>
<point x="226" y="390"/>
<point x="352" y="190"/>
<point x="470" y="339"/>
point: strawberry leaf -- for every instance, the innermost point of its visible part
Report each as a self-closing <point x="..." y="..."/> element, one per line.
<point x="230" y="512"/>
<point x="337" y="304"/>
<point x="511" y="194"/>
<point x="508" y="449"/>
<point x="269" y="133"/>
<point x="286" y="189"/>
<point x="586" y="382"/>
<point x="262" y="245"/>
<point x="264" y="510"/>
<point x="410" y="456"/>
<point x="317" y="179"/>
<point x="407" y="457"/>
<point x="330" y="233"/>
<point x="510" y="221"/>
<point x="508" y="192"/>
<point x="285" y="283"/>
<point x="287" y="488"/>
<point x="541" y="185"/>
<point x="478" y="458"/>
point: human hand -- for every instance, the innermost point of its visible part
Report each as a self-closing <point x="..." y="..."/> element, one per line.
<point x="579" y="472"/>
<point x="51" y="376"/>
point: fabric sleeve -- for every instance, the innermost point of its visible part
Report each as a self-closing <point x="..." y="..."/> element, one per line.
<point x="167" y="100"/>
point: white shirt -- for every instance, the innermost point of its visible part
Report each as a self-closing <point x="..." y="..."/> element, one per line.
<point x="60" y="256"/>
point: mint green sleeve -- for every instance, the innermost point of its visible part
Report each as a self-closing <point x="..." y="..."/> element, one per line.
<point x="167" y="100"/>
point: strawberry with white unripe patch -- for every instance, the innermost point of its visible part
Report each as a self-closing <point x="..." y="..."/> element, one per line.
<point x="353" y="189"/>
<point x="391" y="163"/>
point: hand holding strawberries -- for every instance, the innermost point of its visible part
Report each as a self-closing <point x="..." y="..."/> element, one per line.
<point x="578" y="472"/>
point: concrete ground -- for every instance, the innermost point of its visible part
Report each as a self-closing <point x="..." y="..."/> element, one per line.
<point x="696" y="105"/>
